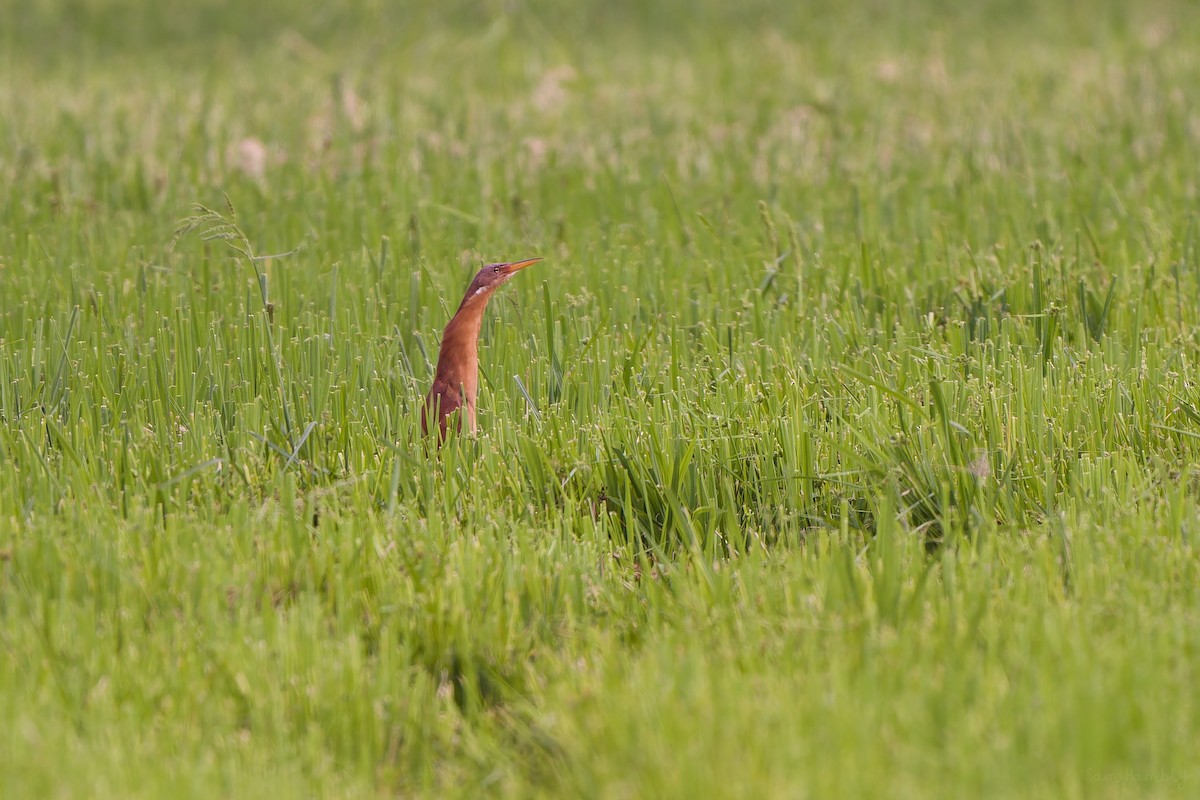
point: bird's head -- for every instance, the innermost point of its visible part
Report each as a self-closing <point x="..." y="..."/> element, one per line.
<point x="493" y="276"/>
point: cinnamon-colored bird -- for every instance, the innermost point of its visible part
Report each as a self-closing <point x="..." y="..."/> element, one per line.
<point x="457" y="380"/>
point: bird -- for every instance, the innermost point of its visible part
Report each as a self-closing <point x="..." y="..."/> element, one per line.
<point x="456" y="381"/>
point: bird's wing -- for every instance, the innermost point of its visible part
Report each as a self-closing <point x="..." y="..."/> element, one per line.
<point x="443" y="399"/>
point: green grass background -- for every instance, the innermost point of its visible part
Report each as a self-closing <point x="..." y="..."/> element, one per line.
<point x="844" y="445"/>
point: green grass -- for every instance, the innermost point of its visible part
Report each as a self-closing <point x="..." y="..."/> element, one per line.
<point x="844" y="445"/>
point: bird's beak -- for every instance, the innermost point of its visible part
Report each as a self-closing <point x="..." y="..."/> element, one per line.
<point x="513" y="266"/>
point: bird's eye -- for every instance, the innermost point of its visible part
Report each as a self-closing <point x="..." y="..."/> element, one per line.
<point x="496" y="270"/>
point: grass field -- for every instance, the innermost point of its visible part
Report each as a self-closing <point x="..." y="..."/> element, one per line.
<point x="845" y="444"/>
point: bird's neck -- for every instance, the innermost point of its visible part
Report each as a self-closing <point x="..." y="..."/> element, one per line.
<point x="458" y="358"/>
